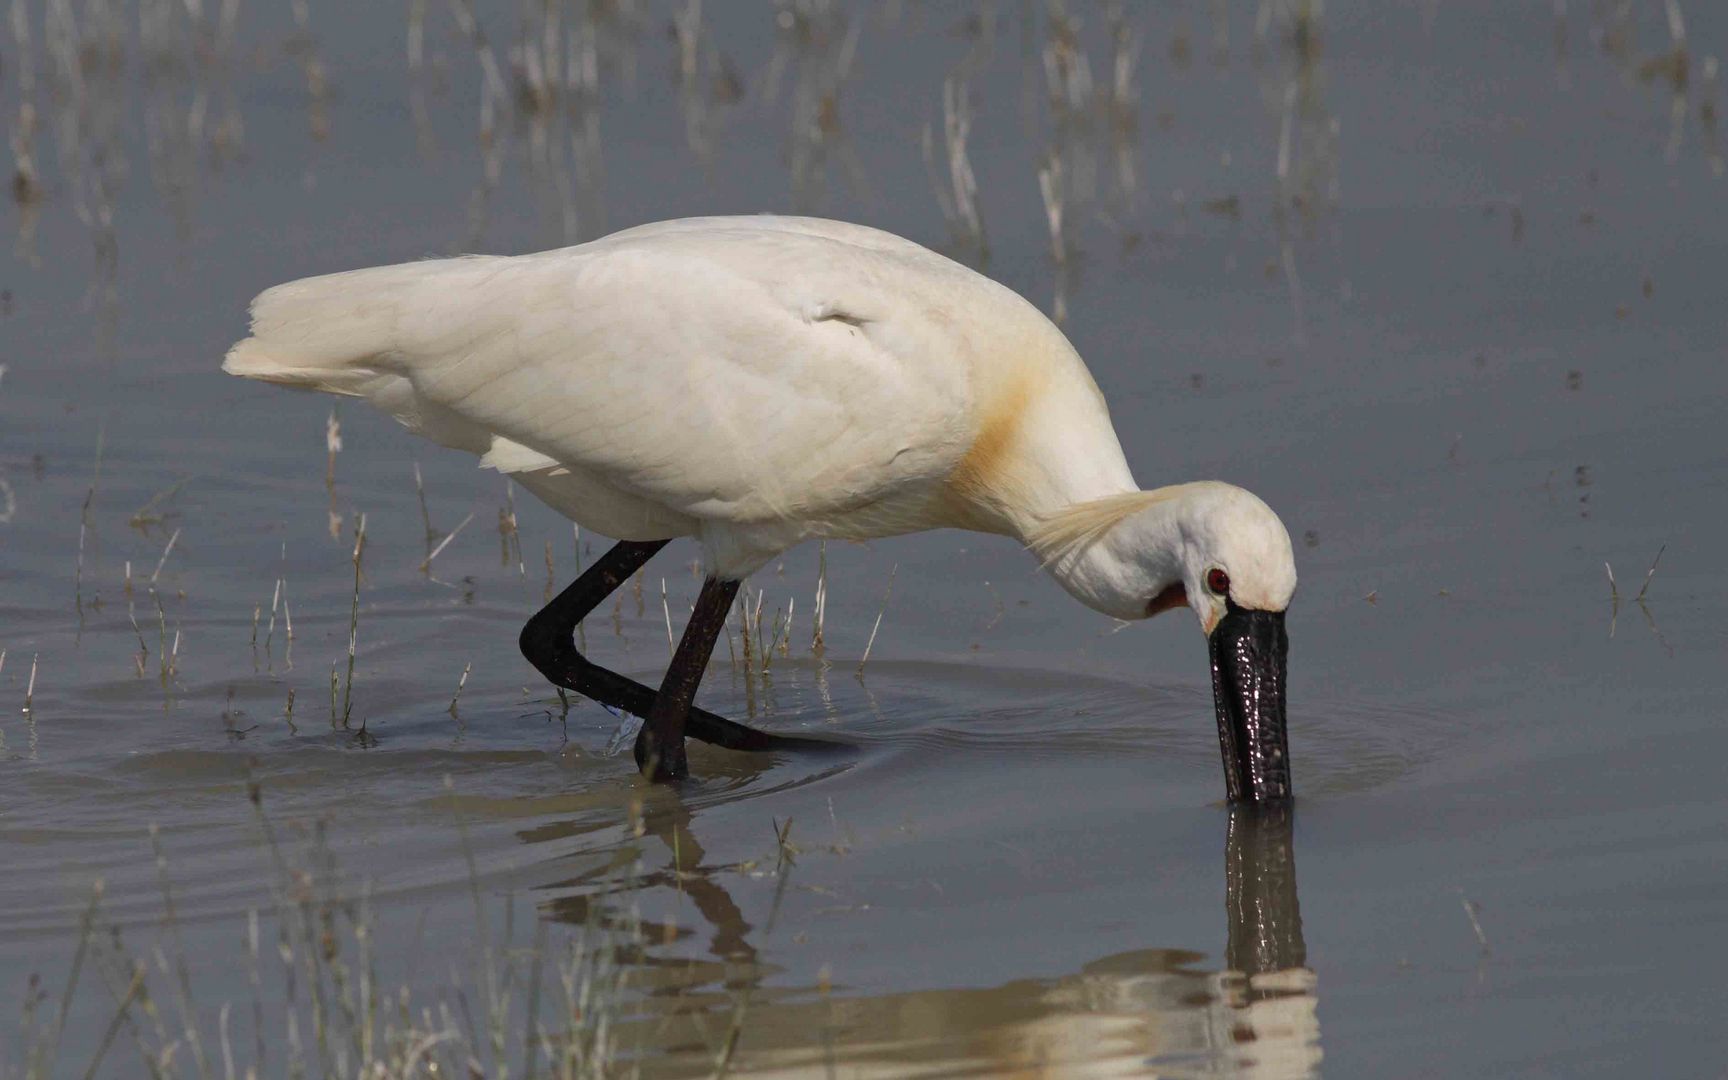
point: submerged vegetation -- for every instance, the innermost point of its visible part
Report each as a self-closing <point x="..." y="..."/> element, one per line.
<point x="320" y="1004"/>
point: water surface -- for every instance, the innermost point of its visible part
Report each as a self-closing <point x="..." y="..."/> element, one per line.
<point x="1441" y="281"/>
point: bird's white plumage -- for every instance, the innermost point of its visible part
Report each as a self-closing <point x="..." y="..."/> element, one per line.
<point x="771" y="375"/>
<point x="751" y="381"/>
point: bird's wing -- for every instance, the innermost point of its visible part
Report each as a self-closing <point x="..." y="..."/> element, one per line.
<point x="743" y="370"/>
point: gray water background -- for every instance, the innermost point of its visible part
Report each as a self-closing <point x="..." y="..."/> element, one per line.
<point x="1469" y="344"/>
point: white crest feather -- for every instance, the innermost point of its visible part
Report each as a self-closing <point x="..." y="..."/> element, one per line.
<point x="1074" y="528"/>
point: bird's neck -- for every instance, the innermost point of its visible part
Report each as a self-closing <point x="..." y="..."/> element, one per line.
<point x="1046" y="461"/>
<point x="1058" y="451"/>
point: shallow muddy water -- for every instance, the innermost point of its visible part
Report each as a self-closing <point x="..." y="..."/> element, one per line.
<point x="1442" y="281"/>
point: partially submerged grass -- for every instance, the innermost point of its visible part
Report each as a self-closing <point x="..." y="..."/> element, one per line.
<point x="425" y="511"/>
<point x="460" y="683"/>
<point x="665" y="609"/>
<point x="426" y="563"/>
<point x="30" y="688"/>
<point x="354" y="624"/>
<point x="324" y="1007"/>
<point x="817" y="645"/>
<point x="278" y="598"/>
<point x="868" y="645"/>
<point x="1639" y="600"/>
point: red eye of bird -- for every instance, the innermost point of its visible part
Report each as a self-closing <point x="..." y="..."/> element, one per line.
<point x="1218" y="581"/>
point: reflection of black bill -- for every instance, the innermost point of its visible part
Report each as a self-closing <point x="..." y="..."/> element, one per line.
<point x="1265" y="931"/>
<point x="1249" y="652"/>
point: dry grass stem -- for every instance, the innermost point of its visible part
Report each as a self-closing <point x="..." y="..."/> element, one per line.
<point x="868" y="645"/>
<point x="275" y="601"/>
<point x="280" y="596"/>
<point x="1641" y="599"/>
<point x="666" y="609"/>
<point x="143" y="650"/>
<point x="121" y="1016"/>
<point x="1650" y="574"/>
<point x="426" y="563"/>
<point x="460" y="683"/>
<point x="353" y="623"/>
<point x="163" y="561"/>
<point x="756" y="616"/>
<point x="164" y="671"/>
<point x="744" y="627"/>
<point x="509" y="535"/>
<point x="772" y="642"/>
<point x="821" y="604"/>
<point x="425" y="512"/>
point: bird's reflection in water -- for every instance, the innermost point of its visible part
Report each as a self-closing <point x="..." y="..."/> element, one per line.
<point x="1155" y="1011"/>
<point x="603" y="897"/>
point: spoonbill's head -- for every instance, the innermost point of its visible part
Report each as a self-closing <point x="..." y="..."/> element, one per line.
<point x="1217" y="549"/>
<point x="1238" y="574"/>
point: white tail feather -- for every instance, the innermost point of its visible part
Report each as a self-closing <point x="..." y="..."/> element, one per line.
<point x="342" y="334"/>
<point x="335" y="332"/>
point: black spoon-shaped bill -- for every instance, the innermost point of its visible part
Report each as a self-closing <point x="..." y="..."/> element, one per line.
<point x="1250" y="651"/>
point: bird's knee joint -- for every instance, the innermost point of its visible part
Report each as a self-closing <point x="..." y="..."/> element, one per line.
<point x="534" y="642"/>
<point x="544" y="645"/>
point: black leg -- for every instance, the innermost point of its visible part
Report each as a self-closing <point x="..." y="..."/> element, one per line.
<point x="660" y="745"/>
<point x="549" y="638"/>
<point x="548" y="641"/>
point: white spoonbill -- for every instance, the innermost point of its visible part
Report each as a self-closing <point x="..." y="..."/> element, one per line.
<point x="754" y="382"/>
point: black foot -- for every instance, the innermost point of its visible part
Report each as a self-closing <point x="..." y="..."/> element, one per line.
<point x="657" y="764"/>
